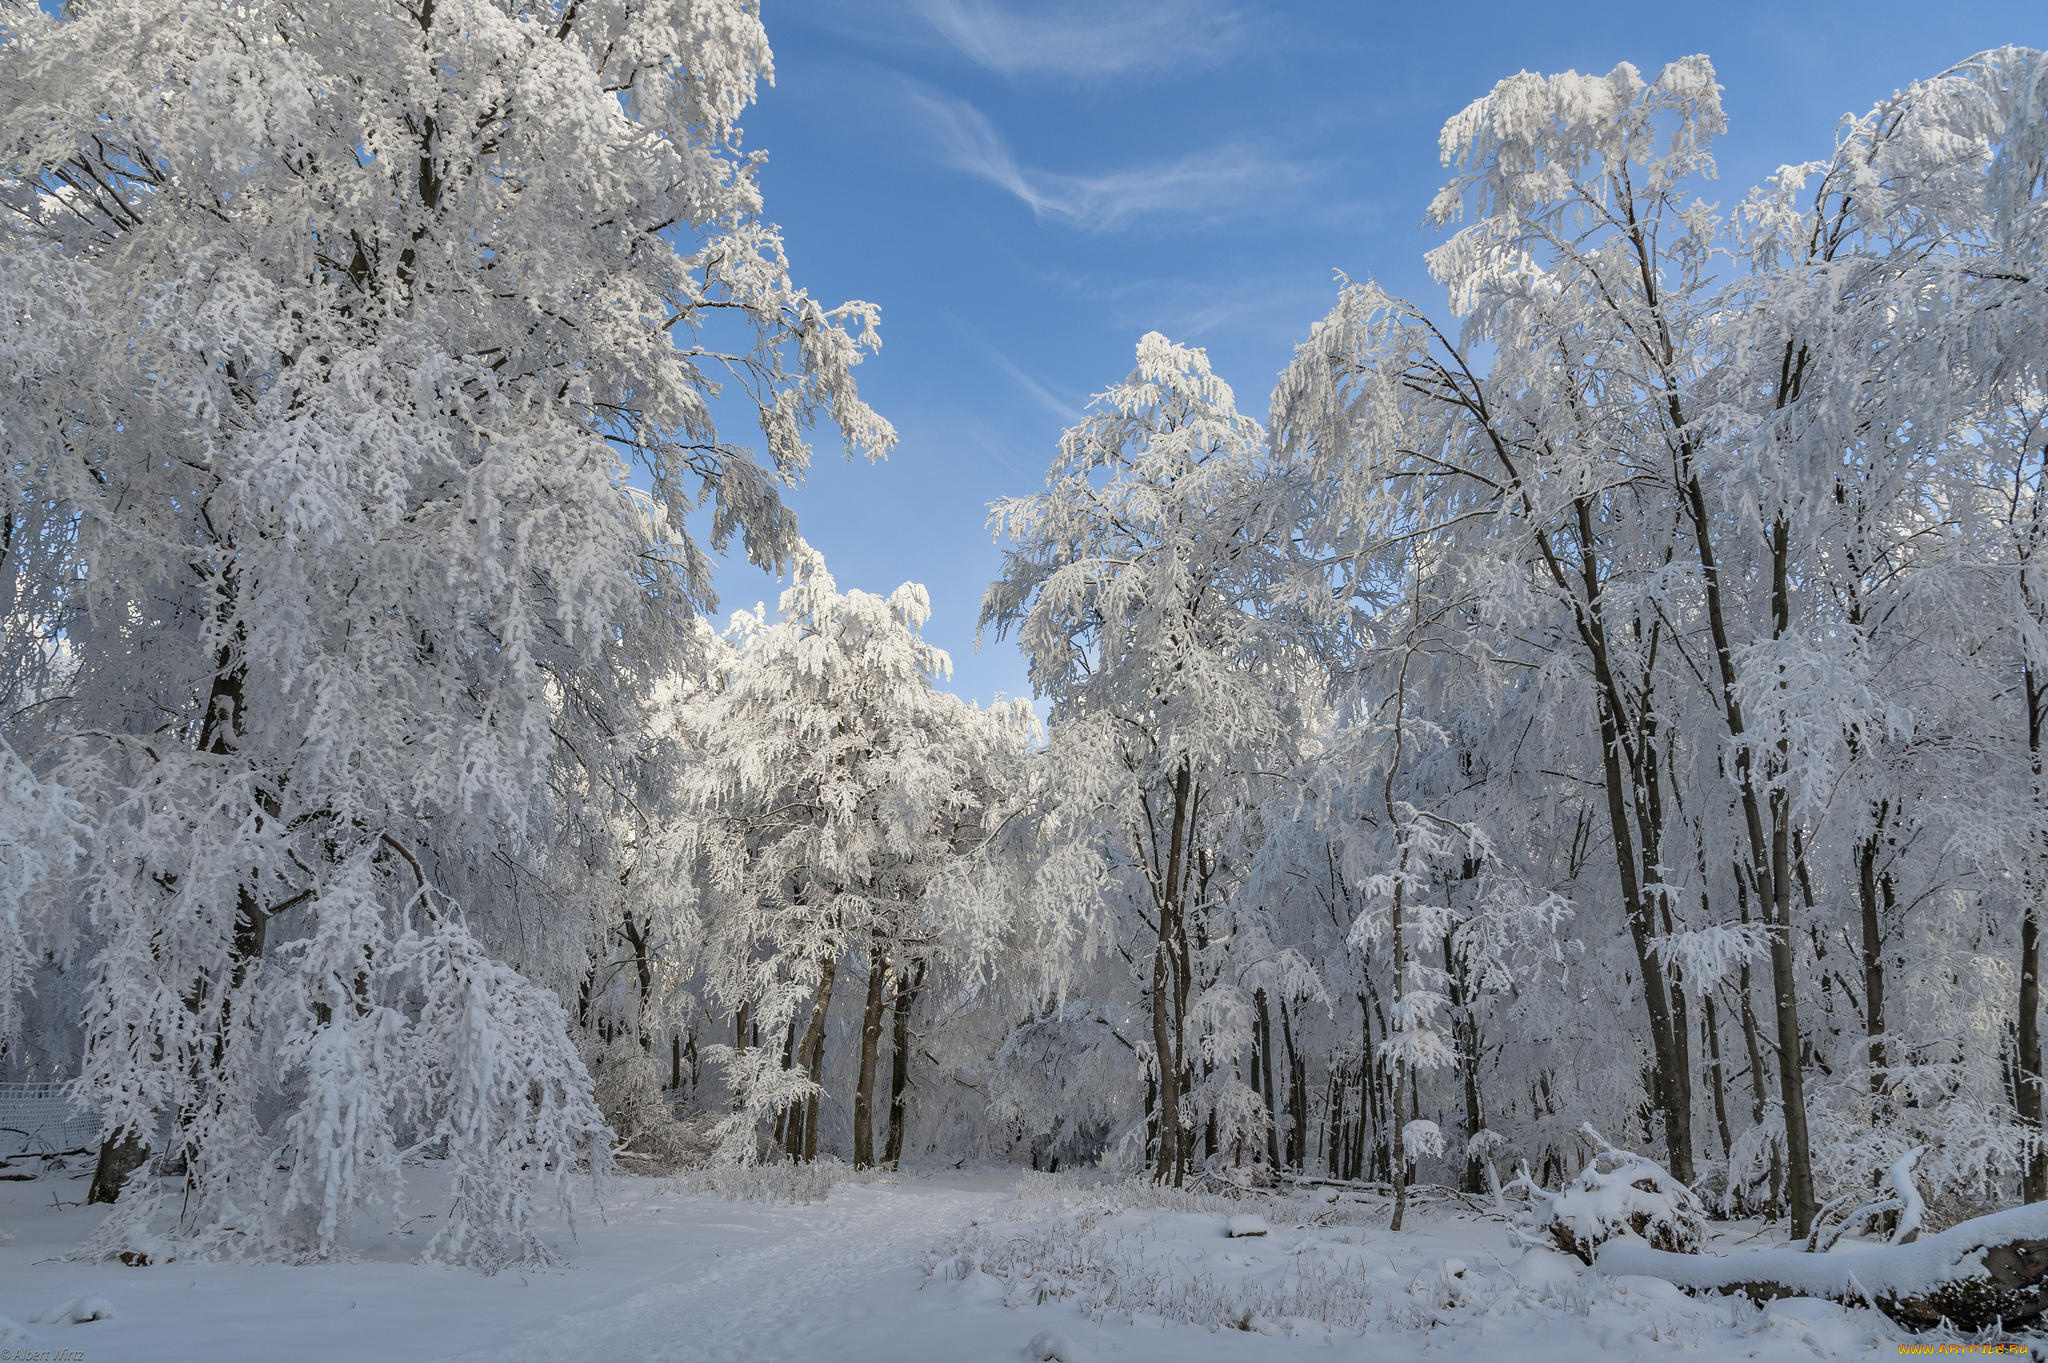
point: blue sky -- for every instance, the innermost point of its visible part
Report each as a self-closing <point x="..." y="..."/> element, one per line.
<point x="1027" y="186"/>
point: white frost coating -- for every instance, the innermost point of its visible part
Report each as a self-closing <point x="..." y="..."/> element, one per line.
<point x="1421" y="1139"/>
<point x="1246" y="1224"/>
<point x="834" y="794"/>
<point x="1955" y="1255"/>
<point x="333" y="337"/>
<point x="1913" y="1209"/>
<point x="1618" y="1194"/>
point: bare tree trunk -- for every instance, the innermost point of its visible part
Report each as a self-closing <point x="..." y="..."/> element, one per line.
<point x="1785" y="997"/>
<point x="1169" y="990"/>
<point x="1752" y="1042"/>
<point x="786" y="1119"/>
<point x="127" y="1151"/>
<point x="1867" y="902"/>
<point x="811" y="1059"/>
<point x="1710" y="1025"/>
<point x="1333" y="1127"/>
<point x="870" y="1051"/>
<point x="1400" y="939"/>
<point x="1297" y="1097"/>
<point x="1628" y="773"/>
<point x="1166" y="1065"/>
<point x="120" y="1156"/>
<point x="1465" y="1030"/>
<point x="1264" y="1067"/>
<point x="2034" y="1182"/>
<point x="739" y="1040"/>
<point x="1400" y="1159"/>
<point x="899" y="1060"/>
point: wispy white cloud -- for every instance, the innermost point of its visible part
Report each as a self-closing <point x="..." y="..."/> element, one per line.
<point x="1224" y="181"/>
<point x="1080" y="40"/>
<point x="1064" y="408"/>
<point x="1052" y="402"/>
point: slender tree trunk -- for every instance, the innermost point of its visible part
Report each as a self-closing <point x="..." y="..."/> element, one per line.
<point x="1770" y="852"/>
<point x="811" y="1058"/>
<point x="1628" y="765"/>
<point x="1332" y="1153"/>
<point x="739" y="1040"/>
<point x="1400" y="1154"/>
<point x="1169" y="990"/>
<point x="1399" y="936"/>
<point x="899" y="1060"/>
<point x="1263" y="1033"/>
<point x="1297" y="1097"/>
<point x="1466" y="1033"/>
<point x="2034" y="1182"/>
<point x="1799" y="1191"/>
<point x="1167" y="1066"/>
<point x="1710" y="1026"/>
<point x="1368" y="1094"/>
<point x="1867" y="902"/>
<point x="870" y="1052"/>
<point x="786" y="1121"/>
<point x="1752" y="1042"/>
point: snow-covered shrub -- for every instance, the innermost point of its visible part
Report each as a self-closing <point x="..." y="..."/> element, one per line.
<point x="1968" y="1149"/>
<point x="1748" y="1188"/>
<point x="1897" y="1208"/>
<point x="797" y="1183"/>
<point x="386" y="1045"/>
<point x="509" y="1093"/>
<point x="627" y="1079"/>
<point x="1618" y="1193"/>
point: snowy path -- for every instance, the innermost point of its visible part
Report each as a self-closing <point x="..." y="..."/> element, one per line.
<point x="767" y="1284"/>
<point x="671" y="1277"/>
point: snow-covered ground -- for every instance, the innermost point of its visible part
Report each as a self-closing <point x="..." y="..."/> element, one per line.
<point x="942" y="1267"/>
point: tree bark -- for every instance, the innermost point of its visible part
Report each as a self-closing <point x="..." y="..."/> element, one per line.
<point x="120" y="1156"/>
<point x="870" y="1049"/>
<point x="1710" y="1025"/>
<point x="787" y="1120"/>
<point x="1297" y="1096"/>
<point x="810" y="1058"/>
<point x="2034" y="1182"/>
<point x="1168" y="989"/>
<point x="1167" y="1159"/>
<point x="1263" y="1067"/>
<point x="1873" y="959"/>
<point x="899" y="1060"/>
<point x="1466" y="1032"/>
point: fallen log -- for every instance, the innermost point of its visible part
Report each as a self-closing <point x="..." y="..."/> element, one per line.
<point x="1990" y="1271"/>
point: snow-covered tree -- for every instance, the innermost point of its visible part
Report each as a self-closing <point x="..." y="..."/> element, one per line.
<point x="333" y="333"/>
<point x="1148" y="585"/>
<point x="834" y="785"/>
